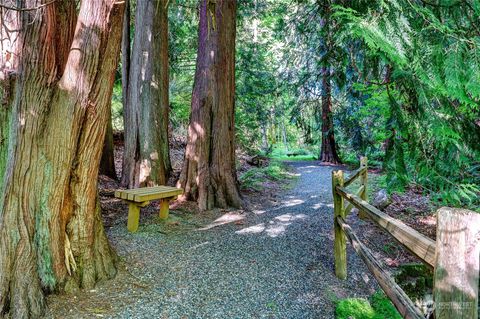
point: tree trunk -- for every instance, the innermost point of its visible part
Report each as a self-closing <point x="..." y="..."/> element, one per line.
<point x="284" y="136"/>
<point x="209" y="175"/>
<point x="328" y="151"/>
<point x="125" y="73"/>
<point x="126" y="52"/>
<point x="264" y="136"/>
<point x="51" y="233"/>
<point x="107" y="163"/>
<point x="147" y="156"/>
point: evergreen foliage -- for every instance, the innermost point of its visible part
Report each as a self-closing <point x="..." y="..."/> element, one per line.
<point x="405" y="81"/>
<point x="427" y="90"/>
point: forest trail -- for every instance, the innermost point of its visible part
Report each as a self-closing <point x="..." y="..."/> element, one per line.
<point x="276" y="262"/>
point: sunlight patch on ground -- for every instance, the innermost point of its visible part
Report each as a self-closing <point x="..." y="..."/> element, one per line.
<point x="428" y="220"/>
<point x="288" y="217"/>
<point x="293" y="202"/>
<point x="293" y="174"/>
<point x="320" y="205"/>
<point x="225" y="219"/>
<point x="275" y="227"/>
<point x="255" y="229"/>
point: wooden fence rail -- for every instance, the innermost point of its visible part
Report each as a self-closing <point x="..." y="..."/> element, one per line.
<point x="454" y="256"/>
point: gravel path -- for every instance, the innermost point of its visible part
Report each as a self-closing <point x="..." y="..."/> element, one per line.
<point x="276" y="262"/>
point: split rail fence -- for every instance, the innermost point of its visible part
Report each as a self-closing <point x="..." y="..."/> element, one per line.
<point x="454" y="256"/>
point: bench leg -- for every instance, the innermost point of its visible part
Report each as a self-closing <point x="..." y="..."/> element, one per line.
<point x="133" y="217"/>
<point x="164" y="206"/>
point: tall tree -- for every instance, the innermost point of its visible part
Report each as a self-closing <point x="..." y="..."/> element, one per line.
<point x="209" y="175"/>
<point x="328" y="149"/>
<point x="62" y="67"/>
<point x="146" y="159"/>
<point x="126" y="54"/>
<point x="317" y="70"/>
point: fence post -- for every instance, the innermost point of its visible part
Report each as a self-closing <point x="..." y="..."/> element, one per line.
<point x="340" y="246"/>
<point x="457" y="264"/>
<point x="364" y="183"/>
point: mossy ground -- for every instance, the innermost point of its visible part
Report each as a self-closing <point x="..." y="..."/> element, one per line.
<point x="378" y="306"/>
<point x="415" y="279"/>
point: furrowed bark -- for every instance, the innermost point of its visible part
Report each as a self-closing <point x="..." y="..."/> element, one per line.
<point x="128" y="114"/>
<point x="209" y="175"/>
<point x="147" y="154"/>
<point x="49" y="214"/>
<point x="328" y="151"/>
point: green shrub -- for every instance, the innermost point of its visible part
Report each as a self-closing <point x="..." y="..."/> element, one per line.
<point x="355" y="308"/>
<point x="378" y="307"/>
<point x="253" y="178"/>
<point x="301" y="154"/>
<point x="384" y="309"/>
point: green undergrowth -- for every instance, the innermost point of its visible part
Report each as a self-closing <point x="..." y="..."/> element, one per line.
<point x="376" y="182"/>
<point x="378" y="306"/>
<point x="296" y="154"/>
<point x="254" y="179"/>
<point x="352" y="160"/>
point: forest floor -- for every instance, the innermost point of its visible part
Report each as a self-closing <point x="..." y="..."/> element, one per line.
<point x="274" y="259"/>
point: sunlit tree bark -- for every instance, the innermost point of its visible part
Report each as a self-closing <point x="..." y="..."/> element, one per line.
<point x="147" y="156"/>
<point x="51" y="233"/>
<point x="209" y="174"/>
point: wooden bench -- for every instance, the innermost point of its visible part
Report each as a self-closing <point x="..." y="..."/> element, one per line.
<point x="141" y="197"/>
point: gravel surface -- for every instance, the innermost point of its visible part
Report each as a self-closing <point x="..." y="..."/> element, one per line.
<point x="273" y="262"/>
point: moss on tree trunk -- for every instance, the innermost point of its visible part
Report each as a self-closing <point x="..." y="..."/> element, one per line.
<point x="51" y="232"/>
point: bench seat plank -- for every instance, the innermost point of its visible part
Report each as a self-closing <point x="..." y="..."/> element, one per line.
<point x="146" y="189"/>
<point x="148" y="193"/>
<point x="123" y="194"/>
<point x="153" y="196"/>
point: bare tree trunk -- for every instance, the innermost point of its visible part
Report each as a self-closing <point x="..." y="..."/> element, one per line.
<point x="264" y="137"/>
<point x="284" y="136"/>
<point x="51" y="233"/>
<point x="126" y="52"/>
<point x="209" y="175"/>
<point x="107" y="163"/>
<point x="126" y="55"/>
<point x="328" y="151"/>
<point x="147" y="155"/>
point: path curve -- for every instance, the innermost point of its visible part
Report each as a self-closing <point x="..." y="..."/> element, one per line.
<point x="275" y="263"/>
